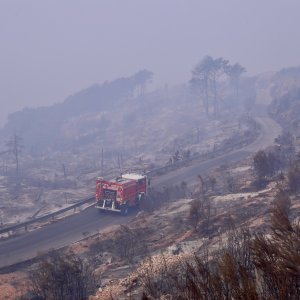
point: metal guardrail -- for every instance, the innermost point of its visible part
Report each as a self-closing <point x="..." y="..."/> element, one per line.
<point x="48" y="216"/>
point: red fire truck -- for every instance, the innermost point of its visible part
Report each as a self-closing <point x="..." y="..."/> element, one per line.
<point x="121" y="193"/>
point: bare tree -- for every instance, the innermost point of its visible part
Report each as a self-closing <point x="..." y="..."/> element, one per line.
<point x="293" y="176"/>
<point x="261" y="164"/>
<point x="15" y="146"/>
<point x="62" y="276"/>
<point x="196" y="213"/>
<point x="205" y="79"/>
<point x="141" y="79"/>
<point x="234" y="73"/>
<point x="201" y="79"/>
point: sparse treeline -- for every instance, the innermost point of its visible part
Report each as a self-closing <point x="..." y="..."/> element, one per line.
<point x="42" y="127"/>
<point x="206" y="76"/>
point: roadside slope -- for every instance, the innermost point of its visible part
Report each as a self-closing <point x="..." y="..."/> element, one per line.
<point x="72" y="229"/>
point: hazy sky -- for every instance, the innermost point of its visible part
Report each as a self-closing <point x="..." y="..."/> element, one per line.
<point x="50" y="49"/>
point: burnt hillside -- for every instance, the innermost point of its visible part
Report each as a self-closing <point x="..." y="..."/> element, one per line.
<point x="42" y="127"/>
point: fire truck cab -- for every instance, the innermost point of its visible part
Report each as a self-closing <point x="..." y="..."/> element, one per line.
<point x="120" y="193"/>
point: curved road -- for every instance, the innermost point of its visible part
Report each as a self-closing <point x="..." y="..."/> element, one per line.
<point x="71" y="229"/>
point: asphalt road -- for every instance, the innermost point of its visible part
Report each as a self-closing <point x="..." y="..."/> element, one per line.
<point x="73" y="228"/>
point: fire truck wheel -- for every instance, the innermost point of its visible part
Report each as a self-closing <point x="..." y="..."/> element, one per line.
<point x="124" y="209"/>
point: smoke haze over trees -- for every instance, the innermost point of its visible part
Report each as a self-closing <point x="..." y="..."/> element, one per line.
<point x="44" y="58"/>
<point x="42" y="126"/>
